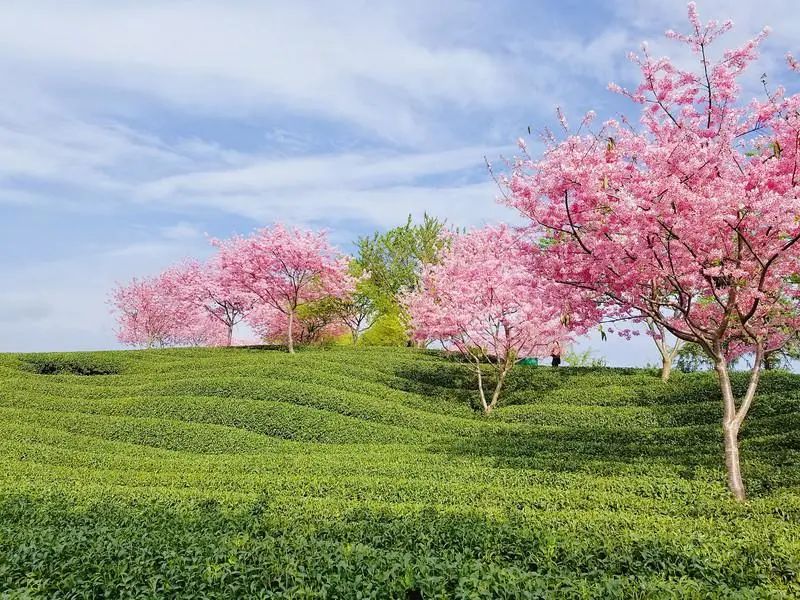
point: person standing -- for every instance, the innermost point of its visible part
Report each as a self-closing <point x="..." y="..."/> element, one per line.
<point x="555" y="354"/>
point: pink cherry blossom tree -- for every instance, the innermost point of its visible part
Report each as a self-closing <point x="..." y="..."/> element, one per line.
<point x="689" y="218"/>
<point x="486" y="300"/>
<point x="196" y="327"/>
<point x="204" y="287"/>
<point x="151" y="313"/>
<point x="143" y="316"/>
<point x="285" y="268"/>
<point x="271" y="325"/>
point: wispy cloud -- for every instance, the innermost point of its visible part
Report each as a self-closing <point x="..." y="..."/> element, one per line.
<point x="377" y="188"/>
<point x="130" y="127"/>
<point x="371" y="66"/>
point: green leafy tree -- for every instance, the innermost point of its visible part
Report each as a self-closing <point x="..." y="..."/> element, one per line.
<point x="692" y="358"/>
<point x="358" y="310"/>
<point x="389" y="329"/>
<point x="314" y="317"/>
<point x="393" y="261"/>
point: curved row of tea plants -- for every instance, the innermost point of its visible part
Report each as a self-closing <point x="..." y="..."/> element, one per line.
<point x="349" y="473"/>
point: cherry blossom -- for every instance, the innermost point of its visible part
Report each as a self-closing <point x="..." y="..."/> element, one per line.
<point x="689" y="218"/>
<point x="150" y="313"/>
<point x="272" y="325"/>
<point x="284" y="268"/>
<point x="486" y="300"/>
<point x="204" y="286"/>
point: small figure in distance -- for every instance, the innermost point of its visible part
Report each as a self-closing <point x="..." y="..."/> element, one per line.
<point x="555" y="354"/>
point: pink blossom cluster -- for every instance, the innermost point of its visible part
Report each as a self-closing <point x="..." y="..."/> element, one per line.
<point x="283" y="269"/>
<point x="487" y="299"/>
<point x="151" y="314"/>
<point x="273" y="326"/>
<point x="690" y="219"/>
<point x="485" y="294"/>
<point x="263" y="278"/>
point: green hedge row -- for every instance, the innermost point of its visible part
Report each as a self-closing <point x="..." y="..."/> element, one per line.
<point x="357" y="473"/>
<point x="264" y="548"/>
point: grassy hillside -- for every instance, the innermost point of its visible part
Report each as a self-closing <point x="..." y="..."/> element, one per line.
<point x="365" y="473"/>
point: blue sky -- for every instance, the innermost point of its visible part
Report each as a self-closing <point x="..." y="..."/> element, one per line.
<point x="130" y="129"/>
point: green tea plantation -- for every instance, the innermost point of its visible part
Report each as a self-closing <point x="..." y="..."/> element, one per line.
<point x="368" y="473"/>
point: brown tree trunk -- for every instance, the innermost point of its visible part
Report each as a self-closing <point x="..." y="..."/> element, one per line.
<point x="291" y="333"/>
<point x="354" y="333"/>
<point x="771" y="360"/>
<point x="230" y="335"/>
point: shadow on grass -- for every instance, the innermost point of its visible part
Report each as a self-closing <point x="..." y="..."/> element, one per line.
<point x="85" y="364"/>
<point x="154" y="548"/>
<point x="769" y="463"/>
<point x="688" y="412"/>
<point x="260" y="348"/>
<point x="586" y="448"/>
<point x="447" y="380"/>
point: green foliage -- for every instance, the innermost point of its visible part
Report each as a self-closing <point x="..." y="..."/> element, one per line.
<point x="365" y="473"/>
<point x="359" y="310"/>
<point x="345" y="339"/>
<point x="389" y="329"/>
<point x="691" y="358"/>
<point x="75" y="364"/>
<point x="394" y="259"/>
<point x="317" y="315"/>
<point x="587" y="358"/>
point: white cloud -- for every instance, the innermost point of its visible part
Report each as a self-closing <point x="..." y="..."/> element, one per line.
<point x="181" y="231"/>
<point x="355" y="116"/>
<point x="333" y="171"/>
<point x="381" y="189"/>
<point x="370" y="68"/>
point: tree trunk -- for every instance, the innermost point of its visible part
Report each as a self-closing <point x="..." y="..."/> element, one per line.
<point x="486" y="407"/>
<point x="666" y="368"/>
<point x="772" y="360"/>
<point x="230" y="335"/>
<point x="735" y="483"/>
<point x="354" y="333"/>
<point x="291" y="333"/>
<point x="498" y="388"/>
<point x="733" y="418"/>
<point x="667" y="352"/>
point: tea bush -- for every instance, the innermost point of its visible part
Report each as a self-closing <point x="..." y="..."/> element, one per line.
<point x="364" y="473"/>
